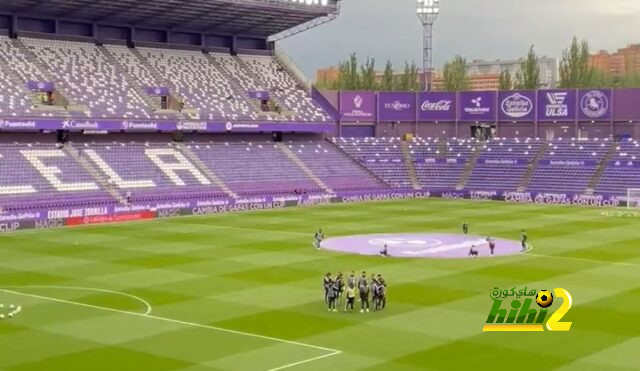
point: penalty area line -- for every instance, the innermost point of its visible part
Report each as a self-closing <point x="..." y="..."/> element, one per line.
<point x="332" y="352"/>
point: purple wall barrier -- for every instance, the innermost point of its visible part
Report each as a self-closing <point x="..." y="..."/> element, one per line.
<point x="517" y="130"/>
<point x="358" y="131"/>
<point x="437" y="130"/>
<point x="396" y="106"/>
<point x="46" y="86"/>
<point x="328" y="100"/>
<point x="437" y="106"/>
<point x="594" y="105"/>
<point x="262" y="95"/>
<point x="157" y="91"/>
<point x="517" y="106"/>
<point x="167" y="126"/>
<point x="556" y="105"/>
<point x="477" y="106"/>
<point x="357" y="106"/>
<point x="626" y="104"/>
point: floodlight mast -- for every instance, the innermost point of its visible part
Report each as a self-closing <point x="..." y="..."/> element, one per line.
<point x="427" y="11"/>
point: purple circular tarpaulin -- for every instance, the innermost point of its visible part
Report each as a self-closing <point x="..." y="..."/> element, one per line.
<point x="420" y="245"/>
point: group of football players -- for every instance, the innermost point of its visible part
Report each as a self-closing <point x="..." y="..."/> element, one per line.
<point x="368" y="291"/>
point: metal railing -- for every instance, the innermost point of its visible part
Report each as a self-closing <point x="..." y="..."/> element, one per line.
<point x="290" y="66"/>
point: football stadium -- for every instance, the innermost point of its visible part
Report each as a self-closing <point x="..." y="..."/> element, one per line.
<point x="176" y="195"/>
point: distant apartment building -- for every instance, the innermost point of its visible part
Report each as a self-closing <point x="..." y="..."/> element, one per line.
<point x="483" y="75"/>
<point x="622" y="62"/>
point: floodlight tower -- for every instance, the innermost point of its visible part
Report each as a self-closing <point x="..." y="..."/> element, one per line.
<point x="428" y="11"/>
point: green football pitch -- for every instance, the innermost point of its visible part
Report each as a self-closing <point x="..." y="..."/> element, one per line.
<point x="243" y="292"/>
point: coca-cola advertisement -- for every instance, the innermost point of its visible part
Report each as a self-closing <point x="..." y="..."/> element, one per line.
<point x="437" y="106"/>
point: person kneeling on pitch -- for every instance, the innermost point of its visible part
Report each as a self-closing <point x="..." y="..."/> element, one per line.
<point x="384" y="252"/>
<point x="473" y="251"/>
<point x="351" y="298"/>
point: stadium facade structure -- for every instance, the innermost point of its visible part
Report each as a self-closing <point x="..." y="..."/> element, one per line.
<point x="107" y="123"/>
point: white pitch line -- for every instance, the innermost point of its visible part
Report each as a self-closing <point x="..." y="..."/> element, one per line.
<point x="79" y="288"/>
<point x="305" y="361"/>
<point x="585" y="260"/>
<point x="333" y="352"/>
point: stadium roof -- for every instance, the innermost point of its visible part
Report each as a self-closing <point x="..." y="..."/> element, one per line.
<point x="236" y="17"/>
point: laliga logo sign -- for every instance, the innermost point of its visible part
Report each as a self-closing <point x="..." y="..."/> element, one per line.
<point x="397" y="106"/>
<point x="70" y="124"/>
<point x="517" y="105"/>
<point x="594" y="104"/>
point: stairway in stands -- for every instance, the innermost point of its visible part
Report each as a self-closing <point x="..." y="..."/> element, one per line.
<point x="165" y="83"/>
<point x="131" y="80"/>
<point x="531" y="167"/>
<point x="468" y="167"/>
<point x="292" y="156"/>
<point x="59" y="87"/>
<point x="102" y="180"/>
<point x="602" y="166"/>
<point x="411" y="168"/>
<point x="208" y="172"/>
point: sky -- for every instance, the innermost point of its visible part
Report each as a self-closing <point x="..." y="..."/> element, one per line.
<point x="475" y="29"/>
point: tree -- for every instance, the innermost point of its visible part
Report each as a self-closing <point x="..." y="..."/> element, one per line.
<point x="505" y="82"/>
<point x="414" y="84"/>
<point x="387" y="79"/>
<point x="575" y="71"/>
<point x="408" y="81"/>
<point x="455" y="75"/>
<point x="368" y="75"/>
<point x="530" y="76"/>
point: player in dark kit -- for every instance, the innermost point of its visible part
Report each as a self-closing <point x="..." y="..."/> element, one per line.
<point x="382" y="293"/>
<point x="473" y="251"/>
<point x="374" y="292"/>
<point x="326" y="281"/>
<point x="364" y="289"/>
<point x="523" y="239"/>
<point x="465" y="228"/>
<point x="384" y="252"/>
<point x="332" y="295"/>
<point x="339" y="287"/>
